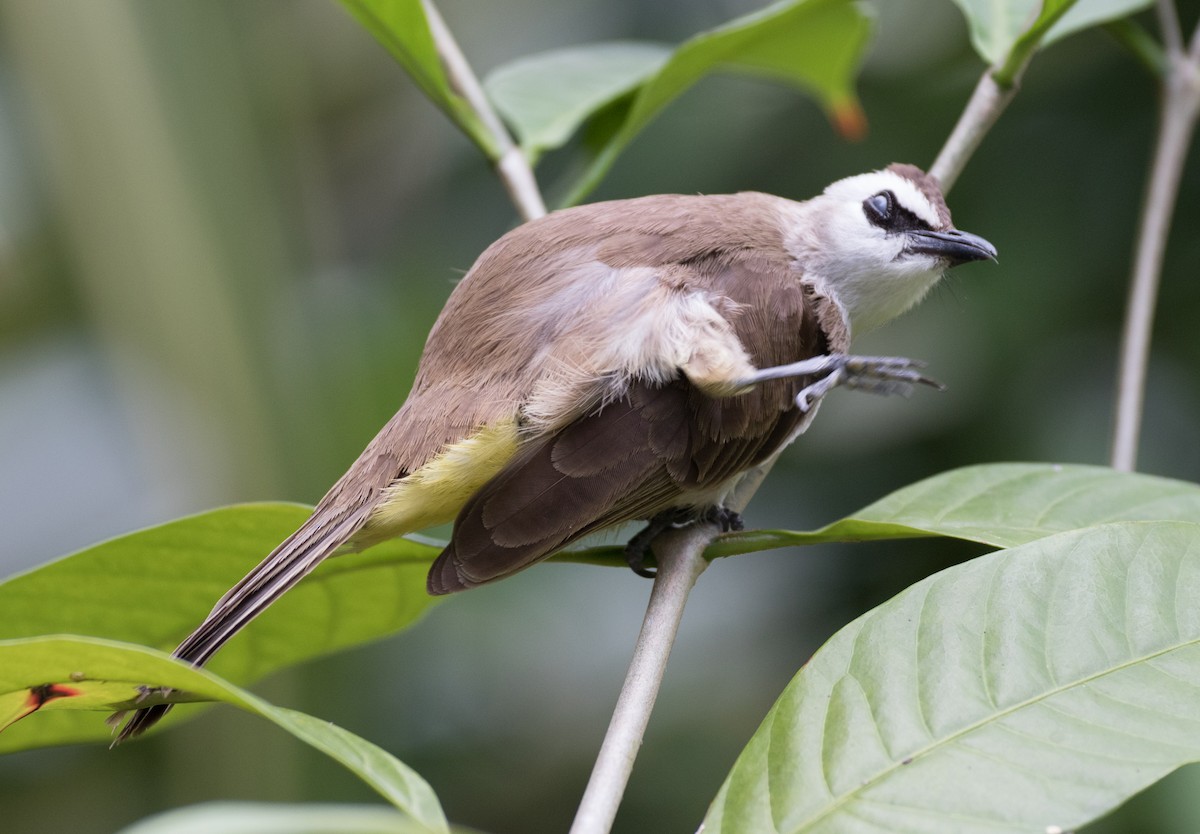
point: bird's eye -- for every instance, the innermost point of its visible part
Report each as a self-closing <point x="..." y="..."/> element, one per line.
<point x="879" y="208"/>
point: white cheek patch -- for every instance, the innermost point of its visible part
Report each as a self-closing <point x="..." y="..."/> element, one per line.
<point x="859" y="188"/>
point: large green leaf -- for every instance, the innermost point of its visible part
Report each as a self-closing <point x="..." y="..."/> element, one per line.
<point x="73" y="674"/>
<point x="1087" y="13"/>
<point x="154" y="586"/>
<point x="403" y="29"/>
<point x="1002" y="27"/>
<point x="1001" y="504"/>
<point x="816" y="45"/>
<point x="1029" y="690"/>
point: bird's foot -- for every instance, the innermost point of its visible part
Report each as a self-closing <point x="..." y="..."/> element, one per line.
<point x="874" y="374"/>
<point x="637" y="548"/>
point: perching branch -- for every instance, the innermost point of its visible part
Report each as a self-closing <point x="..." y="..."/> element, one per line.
<point x="1180" y="107"/>
<point x="680" y="556"/>
<point x="511" y="165"/>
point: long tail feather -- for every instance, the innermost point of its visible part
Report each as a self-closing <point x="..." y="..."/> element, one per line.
<point x="286" y="565"/>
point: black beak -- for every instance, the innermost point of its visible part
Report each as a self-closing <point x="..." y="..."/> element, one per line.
<point x="952" y="245"/>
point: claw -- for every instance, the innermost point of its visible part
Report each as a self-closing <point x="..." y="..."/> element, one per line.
<point x="874" y="374"/>
<point x="635" y="552"/>
<point x="809" y="395"/>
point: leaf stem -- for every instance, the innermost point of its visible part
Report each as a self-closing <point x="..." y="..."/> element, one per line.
<point x="1140" y="43"/>
<point x="992" y="95"/>
<point x="511" y="166"/>
<point x="984" y="108"/>
<point x="680" y="562"/>
<point x="1008" y="72"/>
<point x="1177" y="122"/>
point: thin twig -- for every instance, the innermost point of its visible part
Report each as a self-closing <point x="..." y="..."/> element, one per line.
<point x="680" y="556"/>
<point x="1177" y="122"/>
<point x="1168" y="23"/>
<point x="995" y="90"/>
<point x="511" y="165"/>
<point x="986" y="104"/>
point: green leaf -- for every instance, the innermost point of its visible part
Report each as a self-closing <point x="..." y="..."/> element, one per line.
<point x="92" y="674"/>
<point x="264" y="818"/>
<point x="1029" y="690"/>
<point x="545" y="98"/>
<point x="1088" y="13"/>
<point x="403" y="29"/>
<point x="816" y="45"/>
<point x="996" y="24"/>
<point x="154" y="586"/>
<point x="1002" y="504"/>
<point x="1001" y="29"/>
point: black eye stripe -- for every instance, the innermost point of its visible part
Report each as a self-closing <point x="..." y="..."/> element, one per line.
<point x="893" y="218"/>
<point x="909" y="220"/>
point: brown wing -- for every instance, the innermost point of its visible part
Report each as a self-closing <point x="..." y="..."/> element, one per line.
<point x="655" y="448"/>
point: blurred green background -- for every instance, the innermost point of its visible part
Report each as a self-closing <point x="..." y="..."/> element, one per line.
<point x="226" y="227"/>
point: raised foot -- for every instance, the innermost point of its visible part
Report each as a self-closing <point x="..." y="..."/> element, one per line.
<point x="874" y="374"/>
<point x="639" y="545"/>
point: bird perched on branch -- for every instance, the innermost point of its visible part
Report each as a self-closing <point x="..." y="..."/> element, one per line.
<point x="621" y="361"/>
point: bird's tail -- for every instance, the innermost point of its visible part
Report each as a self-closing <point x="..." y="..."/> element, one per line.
<point x="286" y="565"/>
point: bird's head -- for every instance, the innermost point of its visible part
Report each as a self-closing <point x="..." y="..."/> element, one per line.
<point x="880" y="241"/>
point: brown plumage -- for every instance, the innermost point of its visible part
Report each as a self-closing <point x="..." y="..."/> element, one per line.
<point x="586" y="373"/>
<point x="659" y="446"/>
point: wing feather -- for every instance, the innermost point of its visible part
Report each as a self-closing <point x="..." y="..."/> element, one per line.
<point x="659" y="446"/>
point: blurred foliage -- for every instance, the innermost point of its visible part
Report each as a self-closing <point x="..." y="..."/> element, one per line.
<point x="225" y="228"/>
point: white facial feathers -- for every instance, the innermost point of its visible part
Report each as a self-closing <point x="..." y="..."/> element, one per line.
<point x="858" y="188"/>
<point x="868" y="269"/>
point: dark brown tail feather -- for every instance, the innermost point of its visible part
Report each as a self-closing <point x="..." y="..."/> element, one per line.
<point x="286" y="565"/>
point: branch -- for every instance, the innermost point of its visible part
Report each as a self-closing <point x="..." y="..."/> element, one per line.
<point x="1177" y="122"/>
<point x="511" y="165"/>
<point x="680" y="556"/>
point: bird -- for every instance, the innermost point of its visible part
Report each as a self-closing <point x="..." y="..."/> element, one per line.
<point x="621" y="361"/>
